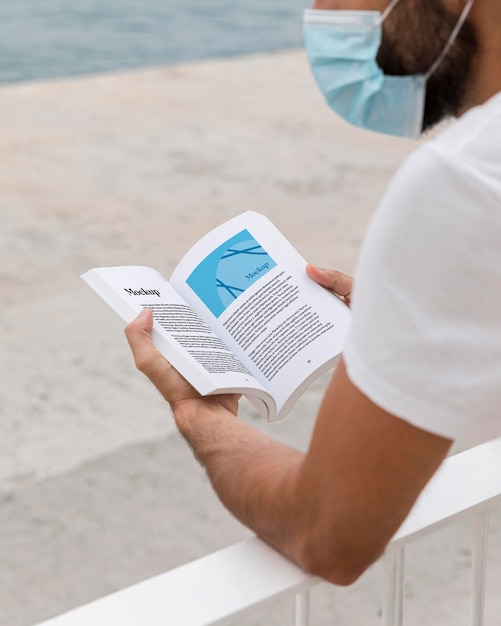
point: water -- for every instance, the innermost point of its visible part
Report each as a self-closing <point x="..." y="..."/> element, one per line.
<point x="54" y="38"/>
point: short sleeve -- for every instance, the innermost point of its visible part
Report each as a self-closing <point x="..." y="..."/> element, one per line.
<point x="425" y="340"/>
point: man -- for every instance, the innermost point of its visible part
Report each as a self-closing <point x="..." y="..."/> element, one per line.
<point x="422" y="364"/>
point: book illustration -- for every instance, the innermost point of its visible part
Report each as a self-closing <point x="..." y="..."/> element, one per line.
<point x="229" y="270"/>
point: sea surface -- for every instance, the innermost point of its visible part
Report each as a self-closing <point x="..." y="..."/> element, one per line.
<point x="55" y="38"/>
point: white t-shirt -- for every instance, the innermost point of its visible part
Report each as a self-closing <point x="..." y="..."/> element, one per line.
<point x="425" y="342"/>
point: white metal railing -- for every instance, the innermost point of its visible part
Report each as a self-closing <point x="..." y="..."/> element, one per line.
<point x="222" y="587"/>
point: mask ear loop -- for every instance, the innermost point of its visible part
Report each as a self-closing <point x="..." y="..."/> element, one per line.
<point x="452" y="39"/>
<point x="387" y="11"/>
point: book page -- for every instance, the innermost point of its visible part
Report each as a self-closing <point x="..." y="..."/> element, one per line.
<point x="179" y="333"/>
<point x="249" y="283"/>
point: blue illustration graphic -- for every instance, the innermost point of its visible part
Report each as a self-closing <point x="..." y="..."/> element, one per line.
<point x="229" y="270"/>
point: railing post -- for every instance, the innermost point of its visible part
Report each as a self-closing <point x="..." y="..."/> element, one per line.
<point x="393" y="600"/>
<point x="295" y="609"/>
<point x="479" y="567"/>
<point x="302" y="602"/>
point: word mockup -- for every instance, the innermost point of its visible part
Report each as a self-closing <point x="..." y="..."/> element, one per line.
<point x="142" y="292"/>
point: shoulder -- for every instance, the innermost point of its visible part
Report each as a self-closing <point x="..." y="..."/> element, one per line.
<point x="450" y="182"/>
<point x="478" y="129"/>
<point x="469" y="147"/>
<point x="472" y="144"/>
<point x="443" y="208"/>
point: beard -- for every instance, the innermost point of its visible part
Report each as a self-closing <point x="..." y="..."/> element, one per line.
<point x="414" y="36"/>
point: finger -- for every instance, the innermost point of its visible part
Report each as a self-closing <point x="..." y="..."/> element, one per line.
<point x="146" y="356"/>
<point x="336" y="281"/>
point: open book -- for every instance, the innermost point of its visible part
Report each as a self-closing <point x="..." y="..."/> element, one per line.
<point x="238" y="315"/>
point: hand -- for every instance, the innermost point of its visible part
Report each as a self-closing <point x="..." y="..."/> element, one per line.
<point x="173" y="387"/>
<point x="337" y="282"/>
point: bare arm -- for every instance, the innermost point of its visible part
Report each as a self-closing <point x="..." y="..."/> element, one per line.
<point x="331" y="510"/>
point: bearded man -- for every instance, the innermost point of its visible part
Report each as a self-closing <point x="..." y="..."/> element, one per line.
<point x="422" y="363"/>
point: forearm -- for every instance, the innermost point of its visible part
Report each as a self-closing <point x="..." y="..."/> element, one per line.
<point x="255" y="477"/>
<point x="333" y="510"/>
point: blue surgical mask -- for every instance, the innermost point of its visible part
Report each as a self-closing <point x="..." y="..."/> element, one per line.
<point x="342" y="47"/>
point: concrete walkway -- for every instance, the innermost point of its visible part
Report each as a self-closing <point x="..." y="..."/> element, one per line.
<point x="96" y="489"/>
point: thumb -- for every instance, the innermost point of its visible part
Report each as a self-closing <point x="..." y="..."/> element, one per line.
<point x="138" y="333"/>
<point x="338" y="282"/>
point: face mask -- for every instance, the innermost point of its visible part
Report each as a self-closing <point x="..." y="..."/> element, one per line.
<point x="342" y="47"/>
